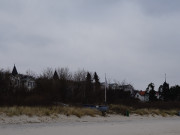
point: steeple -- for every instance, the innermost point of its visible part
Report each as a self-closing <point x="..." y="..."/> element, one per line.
<point x="55" y="76"/>
<point x="14" y="71"/>
<point x="165" y="85"/>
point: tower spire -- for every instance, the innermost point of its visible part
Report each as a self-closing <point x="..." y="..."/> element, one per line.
<point x="14" y="71"/>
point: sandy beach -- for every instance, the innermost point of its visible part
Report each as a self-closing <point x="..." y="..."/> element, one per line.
<point x="72" y="125"/>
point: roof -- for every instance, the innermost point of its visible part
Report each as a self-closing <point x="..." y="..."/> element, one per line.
<point x="14" y="71"/>
<point x="142" y="93"/>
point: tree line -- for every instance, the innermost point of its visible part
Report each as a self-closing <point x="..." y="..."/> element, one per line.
<point x="81" y="87"/>
<point x="52" y="87"/>
<point x="165" y="93"/>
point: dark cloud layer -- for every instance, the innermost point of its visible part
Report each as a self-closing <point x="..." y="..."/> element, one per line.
<point x="135" y="40"/>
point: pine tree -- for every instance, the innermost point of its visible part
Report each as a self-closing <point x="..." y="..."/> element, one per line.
<point x="96" y="78"/>
<point x="97" y="93"/>
<point x="88" y="90"/>
<point x="151" y="92"/>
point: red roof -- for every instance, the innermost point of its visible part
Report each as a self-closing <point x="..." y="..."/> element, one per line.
<point x="142" y="93"/>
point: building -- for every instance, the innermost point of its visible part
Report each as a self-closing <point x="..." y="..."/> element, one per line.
<point x="141" y="95"/>
<point x="144" y="95"/>
<point x="127" y="88"/>
<point x="20" y="80"/>
<point x="115" y="86"/>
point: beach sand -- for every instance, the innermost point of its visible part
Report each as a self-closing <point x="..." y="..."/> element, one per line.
<point x="72" y="125"/>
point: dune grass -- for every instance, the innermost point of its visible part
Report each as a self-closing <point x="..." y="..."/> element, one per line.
<point x="48" y="111"/>
<point x="121" y="109"/>
<point x="79" y="112"/>
<point x="153" y="112"/>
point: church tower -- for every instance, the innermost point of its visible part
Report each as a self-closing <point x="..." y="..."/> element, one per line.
<point x="14" y="71"/>
<point x="165" y="85"/>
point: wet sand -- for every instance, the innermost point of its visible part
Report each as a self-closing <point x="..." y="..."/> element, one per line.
<point x="112" y="125"/>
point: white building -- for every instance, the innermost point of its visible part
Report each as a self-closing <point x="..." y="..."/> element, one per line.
<point x="19" y="80"/>
<point x="141" y="96"/>
<point x="144" y="96"/>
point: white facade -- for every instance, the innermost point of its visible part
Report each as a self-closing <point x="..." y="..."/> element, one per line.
<point x="144" y="96"/>
<point x="23" y="80"/>
<point x="29" y="84"/>
<point x="140" y="97"/>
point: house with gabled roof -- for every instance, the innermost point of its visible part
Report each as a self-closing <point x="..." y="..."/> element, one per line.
<point x="20" y="80"/>
<point x="140" y="95"/>
<point x="144" y="95"/>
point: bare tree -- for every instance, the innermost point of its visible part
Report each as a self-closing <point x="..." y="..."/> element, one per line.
<point x="31" y="73"/>
<point x="80" y="75"/>
<point x="48" y="73"/>
<point x="64" y="73"/>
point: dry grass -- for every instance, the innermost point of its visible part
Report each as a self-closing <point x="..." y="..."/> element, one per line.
<point x="79" y="112"/>
<point x="48" y="111"/>
<point x="153" y="112"/>
<point x="121" y="109"/>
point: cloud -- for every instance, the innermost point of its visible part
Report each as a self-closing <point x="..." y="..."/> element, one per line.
<point x="132" y="40"/>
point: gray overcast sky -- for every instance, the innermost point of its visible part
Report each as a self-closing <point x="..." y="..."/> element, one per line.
<point x="132" y="40"/>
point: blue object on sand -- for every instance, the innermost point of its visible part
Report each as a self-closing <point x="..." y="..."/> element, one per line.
<point x="101" y="108"/>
